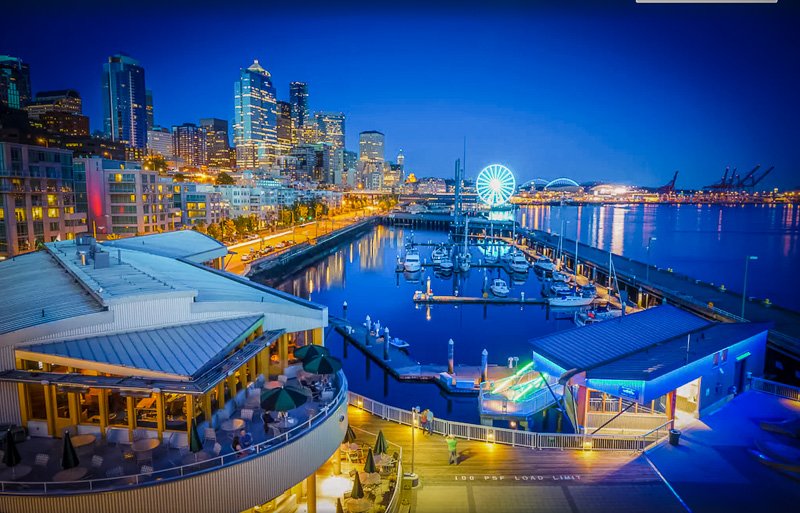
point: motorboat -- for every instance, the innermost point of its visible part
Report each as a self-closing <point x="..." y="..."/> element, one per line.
<point x="559" y="276"/>
<point x="518" y="263"/>
<point x="446" y="265"/>
<point x="399" y="343"/>
<point x="464" y="262"/>
<point x="589" y="290"/>
<point x="490" y="258"/>
<point x="411" y="262"/>
<point x="595" y="315"/>
<point x="570" y="301"/>
<point x="438" y="254"/>
<point x="499" y="288"/>
<point x="544" y="264"/>
<point x="559" y="288"/>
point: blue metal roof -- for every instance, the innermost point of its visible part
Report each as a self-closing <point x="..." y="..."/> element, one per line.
<point x="182" y="351"/>
<point x="589" y="346"/>
<point x="182" y="244"/>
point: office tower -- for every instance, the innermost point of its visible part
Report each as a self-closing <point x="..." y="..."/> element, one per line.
<point x="189" y="145"/>
<point x="370" y="144"/>
<point x="149" y="103"/>
<point x="125" y="101"/>
<point x="330" y="129"/>
<point x="285" y="137"/>
<point x="65" y="100"/>
<point x="218" y="151"/>
<point x="254" y="129"/>
<point x="298" y="98"/>
<point x="305" y="156"/>
<point x="15" y="82"/>
<point x="159" y="142"/>
<point x="350" y="168"/>
<point x="401" y="160"/>
<point x="37" y="197"/>
<point x="126" y="200"/>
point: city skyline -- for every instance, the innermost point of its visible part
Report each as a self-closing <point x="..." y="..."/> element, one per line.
<point x="613" y="94"/>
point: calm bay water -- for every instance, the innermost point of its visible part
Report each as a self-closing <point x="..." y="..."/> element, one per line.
<point x="705" y="242"/>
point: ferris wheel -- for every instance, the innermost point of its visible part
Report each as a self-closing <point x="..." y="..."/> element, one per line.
<point x="495" y="184"/>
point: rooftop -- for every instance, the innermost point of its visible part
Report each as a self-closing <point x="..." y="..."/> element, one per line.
<point x="183" y="244"/>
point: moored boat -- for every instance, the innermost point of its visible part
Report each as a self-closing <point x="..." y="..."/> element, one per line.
<point x="570" y="301"/>
<point x="499" y="288"/>
<point x="411" y="262"/>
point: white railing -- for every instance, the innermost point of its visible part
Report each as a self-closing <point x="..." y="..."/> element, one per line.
<point x="656" y="435"/>
<point x="775" y="388"/>
<point x="513" y="437"/>
<point x="394" y="501"/>
<point x="163" y="475"/>
<point x="612" y="405"/>
<point x="626" y="421"/>
<point x="500" y="405"/>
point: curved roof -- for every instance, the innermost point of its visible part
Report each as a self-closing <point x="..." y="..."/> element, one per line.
<point x="562" y="182"/>
<point x="256" y="67"/>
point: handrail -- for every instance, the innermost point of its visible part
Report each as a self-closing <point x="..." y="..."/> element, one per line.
<point x="394" y="500"/>
<point x="177" y="472"/>
<point x="775" y="388"/>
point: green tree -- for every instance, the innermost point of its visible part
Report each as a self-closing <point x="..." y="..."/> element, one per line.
<point x="224" y="178"/>
<point x="179" y="177"/>
<point x="286" y="216"/>
<point x="200" y="227"/>
<point x="302" y="211"/>
<point x="228" y="229"/>
<point x="214" y="231"/>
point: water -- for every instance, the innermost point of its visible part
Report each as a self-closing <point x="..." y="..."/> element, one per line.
<point x="708" y="242"/>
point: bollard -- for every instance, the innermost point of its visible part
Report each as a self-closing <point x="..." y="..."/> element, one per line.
<point x="484" y="365"/>
<point x="450" y="360"/>
<point x="344" y="310"/>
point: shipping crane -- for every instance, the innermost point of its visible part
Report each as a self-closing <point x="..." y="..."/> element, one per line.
<point x="669" y="187"/>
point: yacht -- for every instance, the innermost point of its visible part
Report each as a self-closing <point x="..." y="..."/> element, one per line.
<point x="464" y="262"/>
<point x="438" y="254"/>
<point x="446" y="265"/>
<point x="558" y="288"/>
<point x="595" y="315"/>
<point x="570" y="300"/>
<point x="518" y="263"/>
<point x="412" y="263"/>
<point x="544" y="264"/>
<point x="589" y="290"/>
<point x="499" y="288"/>
<point x="559" y="276"/>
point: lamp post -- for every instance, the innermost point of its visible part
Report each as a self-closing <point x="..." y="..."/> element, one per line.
<point x="744" y="287"/>
<point x="414" y="413"/>
<point x="647" y="272"/>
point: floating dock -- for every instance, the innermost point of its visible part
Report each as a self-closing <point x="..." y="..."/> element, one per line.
<point x="429" y="299"/>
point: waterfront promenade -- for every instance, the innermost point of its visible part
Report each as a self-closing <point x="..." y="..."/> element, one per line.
<point x="494" y="477"/>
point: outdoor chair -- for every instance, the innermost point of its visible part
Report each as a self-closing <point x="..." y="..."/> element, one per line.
<point x="114" y="472"/>
<point x="246" y="414"/>
<point x="217" y="449"/>
<point x="97" y="461"/>
<point x="210" y="435"/>
<point x="146" y="469"/>
<point x="41" y="460"/>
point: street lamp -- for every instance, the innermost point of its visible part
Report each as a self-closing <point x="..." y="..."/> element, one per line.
<point x="414" y="413"/>
<point x="647" y="272"/>
<point x="744" y="287"/>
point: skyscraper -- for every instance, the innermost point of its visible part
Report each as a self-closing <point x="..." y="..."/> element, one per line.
<point x="298" y="98"/>
<point x="15" y="82"/>
<point x="285" y="132"/>
<point x="218" y="153"/>
<point x="66" y="100"/>
<point x="125" y="101"/>
<point x="149" y="105"/>
<point x="159" y="142"/>
<point x="330" y="127"/>
<point x="370" y="145"/>
<point x="189" y="145"/>
<point x="255" y="124"/>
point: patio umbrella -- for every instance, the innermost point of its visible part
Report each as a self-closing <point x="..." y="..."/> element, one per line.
<point x="69" y="458"/>
<point x="349" y="436"/>
<point x="11" y="456"/>
<point x="310" y="351"/>
<point x="322" y="365"/>
<point x="381" y="445"/>
<point x="358" y="490"/>
<point x="195" y="445"/>
<point x="339" y="508"/>
<point x="283" y="398"/>
<point x="369" y="466"/>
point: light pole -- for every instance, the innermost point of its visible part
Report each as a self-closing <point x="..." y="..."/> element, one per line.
<point x="647" y="272"/>
<point x="744" y="287"/>
<point x="414" y="413"/>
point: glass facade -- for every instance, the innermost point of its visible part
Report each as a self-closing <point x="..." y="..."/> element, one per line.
<point x="255" y="127"/>
<point x="124" y="101"/>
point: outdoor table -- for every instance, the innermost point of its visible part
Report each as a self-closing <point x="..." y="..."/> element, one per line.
<point x="287" y="422"/>
<point x="273" y="384"/>
<point x="382" y="460"/>
<point x="357" y="505"/>
<point x="82" y="440"/>
<point x="145" y="444"/>
<point x="369" y="479"/>
<point x="71" y="474"/>
<point x="19" y="471"/>
<point x="232" y="425"/>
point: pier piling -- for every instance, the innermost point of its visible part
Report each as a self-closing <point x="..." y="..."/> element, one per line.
<point x="450" y="351"/>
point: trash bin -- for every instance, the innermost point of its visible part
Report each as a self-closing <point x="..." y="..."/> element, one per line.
<point x="674" y="436"/>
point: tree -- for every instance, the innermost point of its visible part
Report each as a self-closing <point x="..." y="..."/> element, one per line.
<point x="286" y="216"/>
<point x="224" y="178"/>
<point x="214" y="231"/>
<point x="155" y="163"/>
<point x="201" y="227"/>
<point x="302" y="211"/>
<point x="179" y="177"/>
<point x="228" y="229"/>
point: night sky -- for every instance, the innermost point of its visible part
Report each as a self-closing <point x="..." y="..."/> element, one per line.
<point x="616" y="92"/>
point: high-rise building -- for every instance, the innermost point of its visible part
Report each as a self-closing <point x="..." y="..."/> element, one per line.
<point x="285" y="124"/>
<point x="255" y="125"/>
<point x="149" y="103"/>
<point x="350" y="168"/>
<point x="330" y="127"/>
<point x="218" y="151"/>
<point x="15" y="82"/>
<point x="65" y="100"/>
<point x="401" y="160"/>
<point x="37" y="197"/>
<point x="189" y="145"/>
<point x="370" y="145"/>
<point x="125" y="101"/>
<point x="125" y="200"/>
<point x="159" y="142"/>
<point x="298" y="98"/>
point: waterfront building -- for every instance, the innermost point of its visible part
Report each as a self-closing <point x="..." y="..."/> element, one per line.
<point x="126" y="200"/>
<point x="15" y="82"/>
<point x="64" y="100"/>
<point x="371" y="145"/>
<point x="189" y="145"/>
<point x="37" y="198"/>
<point x="149" y="107"/>
<point x="255" y="125"/>
<point x="124" y="101"/>
<point x="284" y="128"/>
<point x="197" y="203"/>
<point x="301" y="116"/>
<point x="217" y="146"/>
<point x="132" y="343"/>
<point x="159" y="142"/>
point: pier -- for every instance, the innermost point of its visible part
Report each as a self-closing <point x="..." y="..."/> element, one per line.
<point x="489" y="300"/>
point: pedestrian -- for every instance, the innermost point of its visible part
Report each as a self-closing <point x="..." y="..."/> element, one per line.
<point x="430" y="422"/>
<point x="236" y="445"/>
<point x="423" y="420"/>
<point x="451" y="446"/>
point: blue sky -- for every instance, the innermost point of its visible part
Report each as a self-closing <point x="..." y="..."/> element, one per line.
<point x="610" y="91"/>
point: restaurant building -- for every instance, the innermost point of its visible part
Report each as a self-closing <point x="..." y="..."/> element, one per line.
<point x="129" y="341"/>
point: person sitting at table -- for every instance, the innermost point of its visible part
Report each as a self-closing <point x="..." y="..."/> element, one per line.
<point x="236" y="445"/>
<point x="268" y="419"/>
<point x="245" y="438"/>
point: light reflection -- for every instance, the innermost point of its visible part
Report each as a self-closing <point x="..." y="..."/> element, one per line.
<point x="618" y="230"/>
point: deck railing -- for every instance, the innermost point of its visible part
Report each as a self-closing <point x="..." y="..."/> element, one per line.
<point x="625" y="422"/>
<point x="394" y="501"/>
<point x="775" y="388"/>
<point x="513" y="437"/>
<point x="498" y="404"/>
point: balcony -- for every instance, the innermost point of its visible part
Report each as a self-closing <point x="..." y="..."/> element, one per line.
<point x="142" y="473"/>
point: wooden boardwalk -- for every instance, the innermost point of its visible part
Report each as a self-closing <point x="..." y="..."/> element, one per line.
<point x="498" y="478"/>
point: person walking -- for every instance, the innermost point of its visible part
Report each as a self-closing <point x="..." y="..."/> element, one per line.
<point x="430" y="422"/>
<point x="451" y="446"/>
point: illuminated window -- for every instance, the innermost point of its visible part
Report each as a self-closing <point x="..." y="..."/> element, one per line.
<point x="716" y="359"/>
<point x="724" y="355"/>
<point x="36" y="212"/>
<point x="53" y="213"/>
<point x="52" y="200"/>
<point x="19" y="213"/>
<point x="118" y="177"/>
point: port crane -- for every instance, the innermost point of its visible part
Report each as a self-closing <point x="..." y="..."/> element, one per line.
<point x="733" y="181"/>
